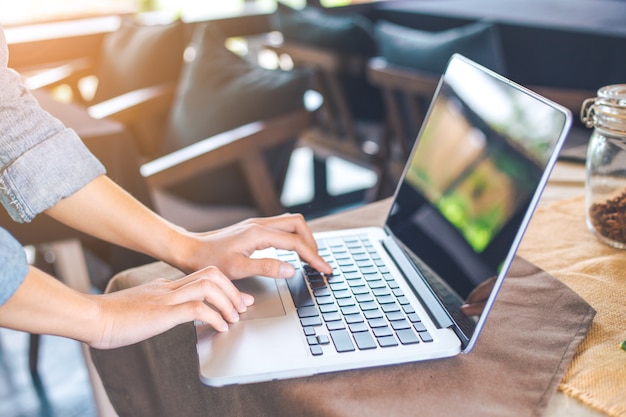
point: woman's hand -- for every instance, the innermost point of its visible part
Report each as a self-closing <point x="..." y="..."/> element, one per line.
<point x="134" y="314"/>
<point x="43" y="305"/>
<point x="230" y="248"/>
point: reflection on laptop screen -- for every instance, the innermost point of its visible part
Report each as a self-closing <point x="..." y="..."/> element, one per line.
<point x="483" y="151"/>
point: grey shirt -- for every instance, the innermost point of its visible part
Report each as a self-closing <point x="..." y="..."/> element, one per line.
<point x="41" y="162"/>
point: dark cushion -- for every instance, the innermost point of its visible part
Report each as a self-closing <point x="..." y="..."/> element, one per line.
<point x="430" y="51"/>
<point x="219" y="91"/>
<point x="351" y="34"/>
<point x="345" y="34"/>
<point x="137" y="56"/>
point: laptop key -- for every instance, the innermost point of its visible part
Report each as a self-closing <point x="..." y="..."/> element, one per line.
<point x="387" y="308"/>
<point x="387" y="341"/>
<point x="360" y="290"/>
<point x="338" y="286"/>
<point x="408" y="308"/>
<point x="318" y="284"/>
<point x="362" y="298"/>
<point x="353" y="318"/>
<point x="334" y="316"/>
<point x="342" y="341"/>
<point x="403" y="300"/>
<point x="344" y="302"/>
<point x="364" y="340"/>
<point x="407" y="336"/>
<point x="307" y="311"/>
<point x="369" y="270"/>
<point x="325" y="299"/>
<point x="378" y="283"/>
<point x="319" y="292"/>
<point x="426" y="337"/>
<point x="299" y="290"/>
<point x="335" y="325"/>
<point x="368" y="305"/>
<point x="377" y="322"/>
<point x="358" y="327"/>
<point x="381" y="292"/>
<point x="311" y="321"/>
<point x="316" y="350"/>
<point x="373" y="314"/>
<point x="400" y="324"/>
<point x="386" y="299"/>
<point x="353" y="275"/>
<point x="382" y="331"/>
<point x="350" y="310"/>
<point x="328" y="308"/>
<point x="395" y="315"/>
<point x="419" y="326"/>
<point x="413" y="317"/>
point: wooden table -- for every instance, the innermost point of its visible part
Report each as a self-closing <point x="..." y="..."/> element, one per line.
<point x="132" y="367"/>
<point x="566" y="181"/>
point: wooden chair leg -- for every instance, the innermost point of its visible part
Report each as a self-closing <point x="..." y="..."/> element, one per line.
<point x="65" y="260"/>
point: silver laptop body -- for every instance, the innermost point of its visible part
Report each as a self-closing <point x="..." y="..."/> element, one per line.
<point x="480" y="162"/>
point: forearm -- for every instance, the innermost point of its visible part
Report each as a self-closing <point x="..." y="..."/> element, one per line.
<point x="104" y="210"/>
<point x="43" y="305"/>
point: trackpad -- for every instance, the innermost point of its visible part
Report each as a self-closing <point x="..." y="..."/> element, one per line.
<point x="267" y="302"/>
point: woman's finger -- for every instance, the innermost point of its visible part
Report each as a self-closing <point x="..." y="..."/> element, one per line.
<point x="211" y="286"/>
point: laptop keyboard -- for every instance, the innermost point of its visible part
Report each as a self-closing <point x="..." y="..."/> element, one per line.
<point x="359" y="307"/>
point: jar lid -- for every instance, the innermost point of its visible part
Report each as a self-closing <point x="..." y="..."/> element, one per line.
<point x="608" y="110"/>
<point x="612" y="95"/>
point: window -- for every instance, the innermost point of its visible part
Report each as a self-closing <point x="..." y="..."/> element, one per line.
<point x="36" y="11"/>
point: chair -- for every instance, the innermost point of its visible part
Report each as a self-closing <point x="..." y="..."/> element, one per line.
<point x="246" y="144"/>
<point x="407" y="94"/>
<point x="335" y="131"/>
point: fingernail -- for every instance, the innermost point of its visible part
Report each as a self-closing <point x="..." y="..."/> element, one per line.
<point x="223" y="327"/>
<point x="235" y="316"/>
<point x="286" y="270"/>
<point x="247" y="299"/>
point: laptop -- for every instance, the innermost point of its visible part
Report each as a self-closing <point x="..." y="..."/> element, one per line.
<point x="399" y="293"/>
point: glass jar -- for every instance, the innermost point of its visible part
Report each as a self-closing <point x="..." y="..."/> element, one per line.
<point x="605" y="182"/>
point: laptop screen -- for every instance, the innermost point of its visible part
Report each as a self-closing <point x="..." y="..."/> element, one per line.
<point x="474" y="176"/>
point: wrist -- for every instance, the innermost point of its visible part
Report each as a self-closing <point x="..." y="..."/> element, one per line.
<point x="180" y="250"/>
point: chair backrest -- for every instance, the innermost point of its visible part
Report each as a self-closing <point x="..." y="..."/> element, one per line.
<point x="407" y="94"/>
<point x="337" y="130"/>
<point x="327" y="68"/>
<point x="143" y="111"/>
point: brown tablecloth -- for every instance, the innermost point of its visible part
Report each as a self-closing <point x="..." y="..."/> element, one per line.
<point x="559" y="241"/>
<point x="534" y="330"/>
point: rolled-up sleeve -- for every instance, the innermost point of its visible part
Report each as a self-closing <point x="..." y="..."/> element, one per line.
<point x="14" y="265"/>
<point x="41" y="161"/>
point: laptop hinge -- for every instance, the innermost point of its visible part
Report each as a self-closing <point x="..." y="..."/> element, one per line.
<point x="434" y="308"/>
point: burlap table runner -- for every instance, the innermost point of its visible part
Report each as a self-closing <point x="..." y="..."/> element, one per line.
<point x="514" y="370"/>
<point x="559" y="242"/>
